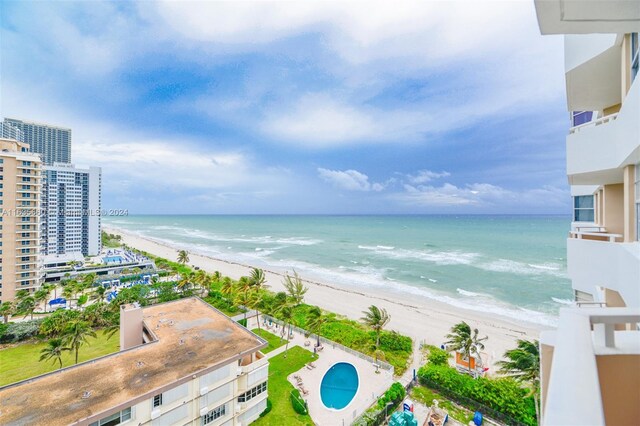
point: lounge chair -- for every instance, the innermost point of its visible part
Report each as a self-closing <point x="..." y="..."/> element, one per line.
<point x="312" y="365"/>
<point x="309" y="367"/>
<point x="302" y="389"/>
<point x="307" y="343"/>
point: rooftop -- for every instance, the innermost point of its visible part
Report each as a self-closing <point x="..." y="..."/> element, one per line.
<point x="193" y="338"/>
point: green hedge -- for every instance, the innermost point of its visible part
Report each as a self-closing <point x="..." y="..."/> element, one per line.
<point x="299" y="406"/>
<point x="394" y="394"/>
<point x="503" y="395"/>
<point x="266" y="410"/>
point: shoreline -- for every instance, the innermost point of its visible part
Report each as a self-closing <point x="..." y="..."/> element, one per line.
<point x="424" y="320"/>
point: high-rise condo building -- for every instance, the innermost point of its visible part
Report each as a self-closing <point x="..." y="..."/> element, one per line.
<point x="590" y="365"/>
<point x="52" y="142"/>
<point x="179" y="363"/>
<point x="71" y="204"/>
<point x="20" y="185"/>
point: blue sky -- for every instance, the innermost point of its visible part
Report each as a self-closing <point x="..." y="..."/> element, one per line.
<point x="308" y="107"/>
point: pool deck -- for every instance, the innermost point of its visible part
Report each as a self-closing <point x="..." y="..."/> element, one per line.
<point x="371" y="385"/>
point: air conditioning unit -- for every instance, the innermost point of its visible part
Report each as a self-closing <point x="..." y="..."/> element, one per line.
<point x="204" y="411"/>
<point x="204" y="390"/>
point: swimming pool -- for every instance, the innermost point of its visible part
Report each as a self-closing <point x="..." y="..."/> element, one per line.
<point x="339" y="386"/>
<point x="112" y="259"/>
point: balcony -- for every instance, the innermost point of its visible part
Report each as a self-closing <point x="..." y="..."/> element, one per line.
<point x="599" y="349"/>
<point x="596" y="262"/>
<point x="597" y="151"/>
<point x="252" y="362"/>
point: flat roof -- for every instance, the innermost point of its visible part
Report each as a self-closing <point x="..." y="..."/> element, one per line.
<point x="192" y="338"/>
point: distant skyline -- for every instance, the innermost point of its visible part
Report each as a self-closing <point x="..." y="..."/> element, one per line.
<point x="313" y="108"/>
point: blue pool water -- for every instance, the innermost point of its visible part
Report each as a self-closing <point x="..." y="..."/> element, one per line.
<point x="339" y="386"/>
<point x="112" y="259"/>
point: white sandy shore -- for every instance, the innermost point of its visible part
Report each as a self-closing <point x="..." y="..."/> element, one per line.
<point x="424" y="320"/>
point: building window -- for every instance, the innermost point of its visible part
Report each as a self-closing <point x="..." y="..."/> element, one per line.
<point x="214" y="414"/>
<point x="157" y="400"/>
<point x="581" y="117"/>
<point x="583" y="208"/>
<point x="114" y="419"/>
<point x="253" y="392"/>
<point x="634" y="55"/>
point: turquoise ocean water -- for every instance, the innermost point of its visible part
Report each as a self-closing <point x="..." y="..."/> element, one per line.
<point x="513" y="266"/>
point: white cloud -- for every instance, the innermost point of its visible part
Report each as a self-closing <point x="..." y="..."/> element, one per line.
<point x="424" y="176"/>
<point x="350" y="180"/>
<point x="482" y="195"/>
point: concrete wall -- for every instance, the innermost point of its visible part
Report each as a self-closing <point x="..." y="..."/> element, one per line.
<point x="619" y="377"/>
<point x="613" y="215"/>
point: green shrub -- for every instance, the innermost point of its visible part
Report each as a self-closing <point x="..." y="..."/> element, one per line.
<point x="266" y="410"/>
<point x="395" y="394"/>
<point x="18" y="331"/>
<point x="392" y="341"/>
<point x="242" y="322"/>
<point x="438" y="356"/>
<point x="503" y="395"/>
<point x="299" y="406"/>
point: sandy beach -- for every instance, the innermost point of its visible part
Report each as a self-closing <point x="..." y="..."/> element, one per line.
<point x="424" y="320"/>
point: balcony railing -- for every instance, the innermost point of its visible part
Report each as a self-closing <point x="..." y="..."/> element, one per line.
<point x="598" y="236"/>
<point x="600" y="121"/>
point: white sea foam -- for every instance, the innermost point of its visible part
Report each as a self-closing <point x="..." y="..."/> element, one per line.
<point x="437" y="257"/>
<point x="520" y="268"/>
<point x="467" y="293"/>
<point x="563" y="301"/>
<point x="432" y="280"/>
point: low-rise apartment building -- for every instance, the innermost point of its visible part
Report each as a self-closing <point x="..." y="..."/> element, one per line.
<point x="180" y="363"/>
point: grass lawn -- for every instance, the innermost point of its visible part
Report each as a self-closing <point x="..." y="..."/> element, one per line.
<point x="426" y="396"/>
<point x="20" y="362"/>
<point x="274" y="341"/>
<point x="279" y="388"/>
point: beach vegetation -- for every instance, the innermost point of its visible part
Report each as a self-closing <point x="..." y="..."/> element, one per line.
<point x="279" y="388"/>
<point x="19" y="331"/>
<point x="299" y="405"/>
<point x="523" y="364"/>
<point x="111" y="240"/>
<point x="437" y="356"/>
<point x="500" y="398"/>
<point x="466" y="341"/>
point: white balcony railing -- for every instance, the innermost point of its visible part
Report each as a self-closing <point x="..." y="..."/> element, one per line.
<point x="598" y="122"/>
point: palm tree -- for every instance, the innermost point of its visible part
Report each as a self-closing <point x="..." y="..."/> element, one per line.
<point x="465" y="341"/>
<point x="227" y="288"/>
<point x="286" y="313"/>
<point x="258" y="279"/>
<point x="28" y="306"/>
<point x="295" y="288"/>
<point x="243" y="298"/>
<point x="41" y="295"/>
<point x="54" y="350"/>
<point x="6" y="310"/>
<point x="315" y="320"/>
<point x="217" y="276"/>
<point x="376" y="318"/>
<point x="183" y="257"/>
<point x="76" y="335"/>
<point x="184" y="282"/>
<point x="98" y="293"/>
<point x="523" y="364"/>
<point x="255" y="301"/>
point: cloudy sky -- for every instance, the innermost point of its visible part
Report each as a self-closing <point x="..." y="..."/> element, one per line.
<point x="314" y="107"/>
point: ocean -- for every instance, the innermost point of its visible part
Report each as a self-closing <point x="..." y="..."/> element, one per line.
<point x="512" y="266"/>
